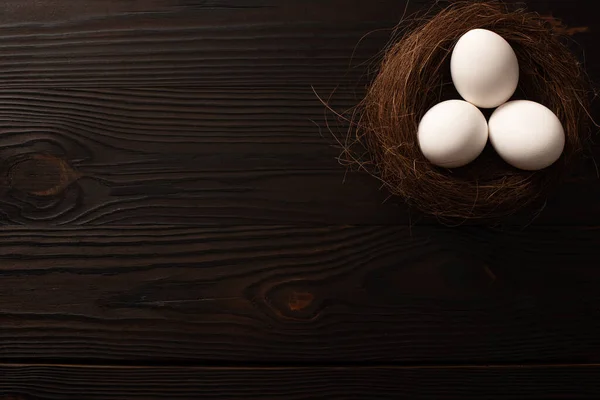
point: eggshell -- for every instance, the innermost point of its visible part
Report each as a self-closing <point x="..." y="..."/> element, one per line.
<point x="526" y="135"/>
<point x="452" y="133"/>
<point x="484" y="68"/>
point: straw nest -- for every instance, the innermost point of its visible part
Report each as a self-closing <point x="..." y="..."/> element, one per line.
<point x="414" y="75"/>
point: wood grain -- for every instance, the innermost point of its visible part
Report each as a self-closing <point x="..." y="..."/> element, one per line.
<point x="212" y="43"/>
<point x="174" y="42"/>
<point x="288" y="294"/>
<point x="45" y="382"/>
<point x="198" y="156"/>
<point x="128" y="156"/>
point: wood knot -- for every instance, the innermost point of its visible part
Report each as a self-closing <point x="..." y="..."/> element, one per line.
<point x="300" y="300"/>
<point x="40" y="175"/>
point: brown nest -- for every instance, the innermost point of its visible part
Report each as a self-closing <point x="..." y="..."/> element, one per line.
<point x="414" y="76"/>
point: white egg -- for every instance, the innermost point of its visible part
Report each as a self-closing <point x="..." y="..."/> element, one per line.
<point x="484" y="68"/>
<point x="526" y="135"/>
<point x="452" y="133"/>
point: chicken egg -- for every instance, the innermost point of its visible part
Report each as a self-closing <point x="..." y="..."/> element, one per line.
<point x="526" y="135"/>
<point x="484" y="68"/>
<point x="452" y="133"/>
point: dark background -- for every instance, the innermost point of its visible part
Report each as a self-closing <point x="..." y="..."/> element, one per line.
<point x="175" y="224"/>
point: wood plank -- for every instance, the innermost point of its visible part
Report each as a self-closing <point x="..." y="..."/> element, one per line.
<point x="197" y="156"/>
<point x="281" y="294"/>
<point x="45" y="382"/>
<point x="216" y="42"/>
<point x="166" y="155"/>
<point x="172" y="42"/>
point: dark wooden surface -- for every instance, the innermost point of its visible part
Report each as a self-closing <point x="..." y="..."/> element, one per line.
<point x="174" y="223"/>
<point x="290" y="294"/>
<point x="65" y="382"/>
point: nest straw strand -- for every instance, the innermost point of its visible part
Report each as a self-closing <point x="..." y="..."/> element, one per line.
<point x="411" y="77"/>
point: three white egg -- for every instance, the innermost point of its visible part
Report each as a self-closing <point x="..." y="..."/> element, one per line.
<point x="485" y="72"/>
